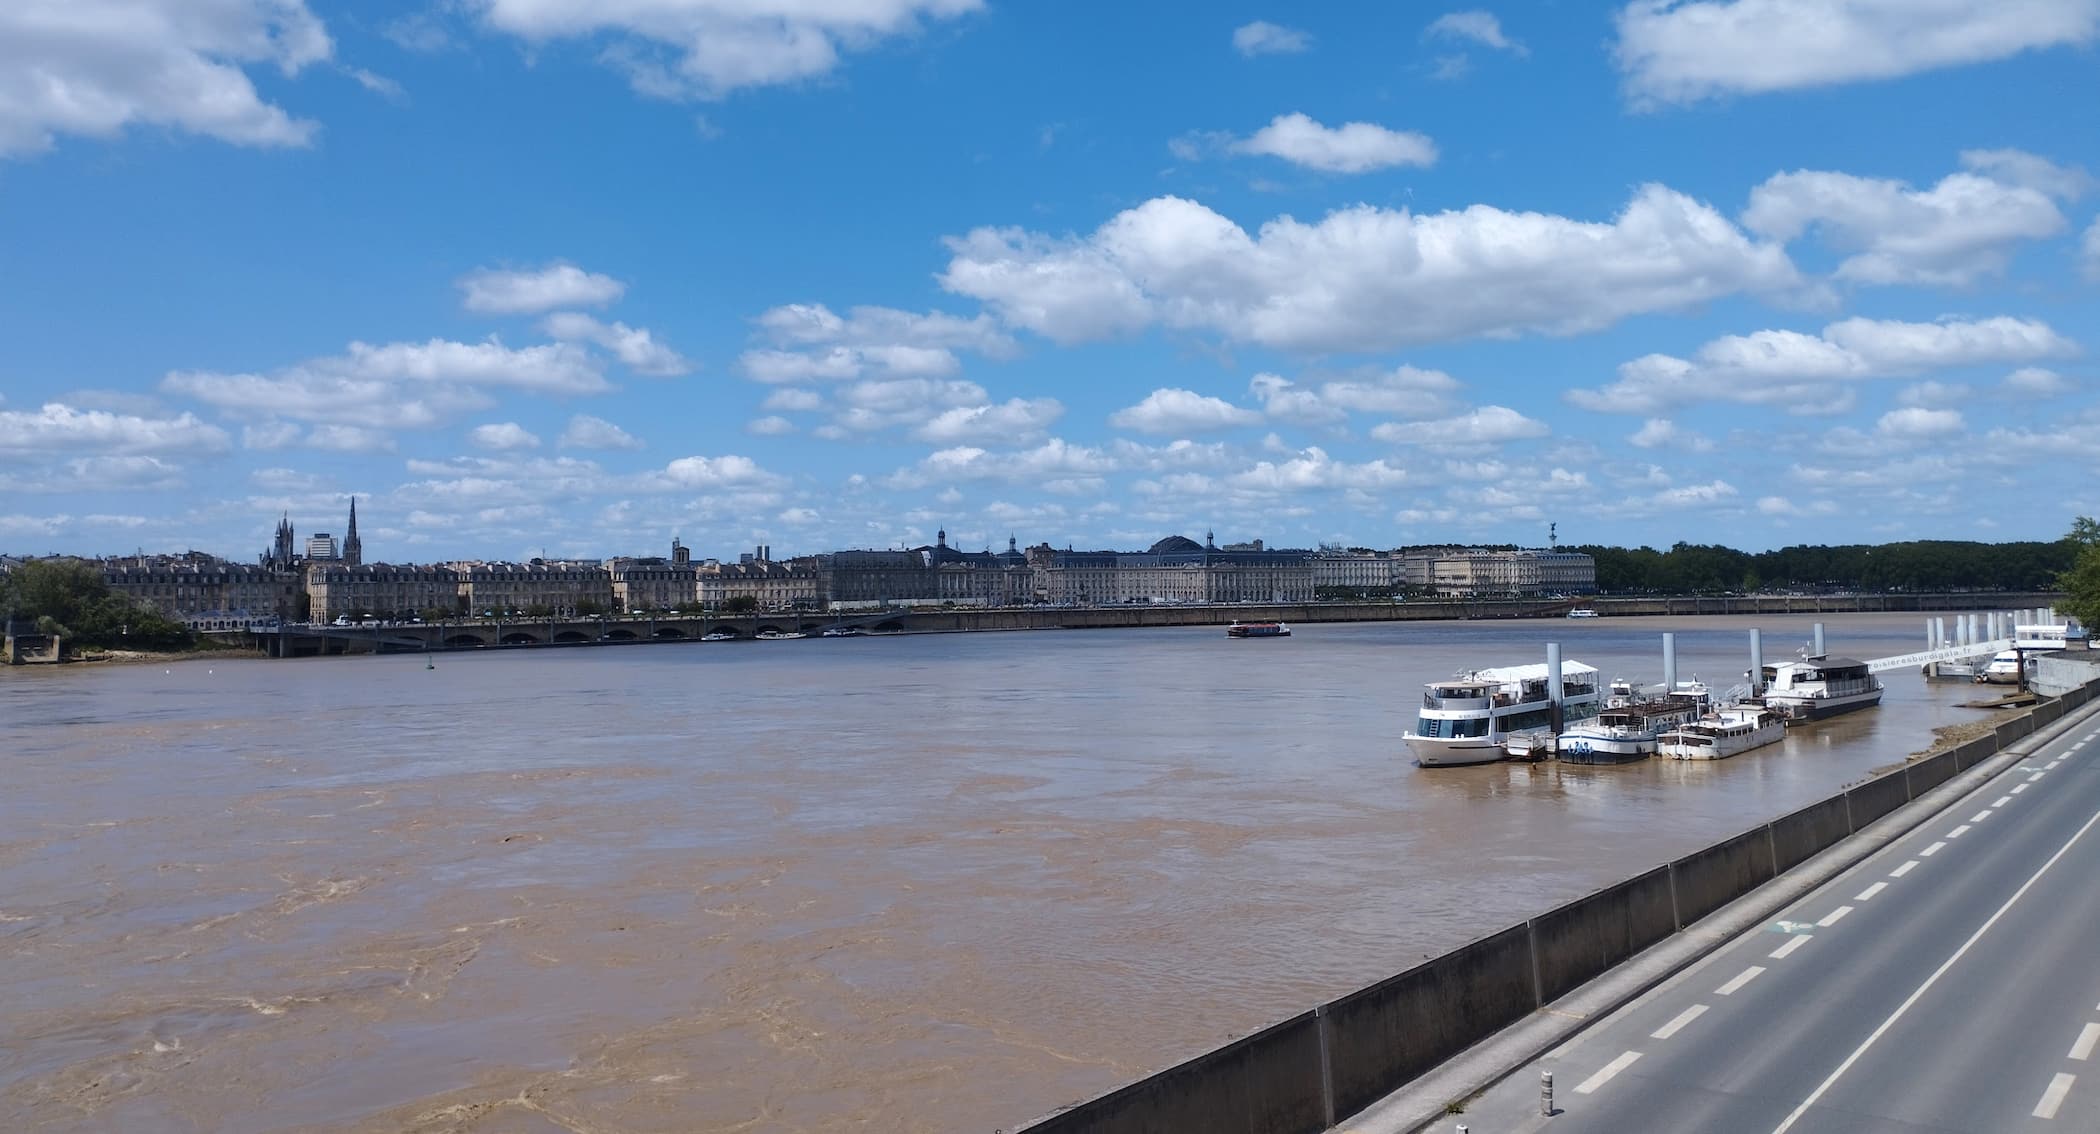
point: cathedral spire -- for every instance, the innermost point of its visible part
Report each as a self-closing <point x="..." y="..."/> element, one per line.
<point x="353" y="548"/>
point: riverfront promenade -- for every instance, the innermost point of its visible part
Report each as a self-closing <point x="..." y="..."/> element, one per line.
<point x="1946" y="982"/>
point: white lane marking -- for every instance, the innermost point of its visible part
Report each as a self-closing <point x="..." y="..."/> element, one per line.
<point x="2036" y="776"/>
<point x="1867" y="895"/>
<point x="2087" y="1039"/>
<point x="1739" y="980"/>
<point x="2051" y="765"/>
<point x="1834" y="916"/>
<point x="1824" y="1087"/>
<point x="1928" y="852"/>
<point x="2001" y="801"/>
<point x="1904" y="869"/>
<point x="2018" y="788"/>
<point x="1624" y="1061"/>
<point x="1792" y="943"/>
<point x="1979" y="817"/>
<point x="1958" y="832"/>
<point x="1683" y="1018"/>
<point x="2054" y="1096"/>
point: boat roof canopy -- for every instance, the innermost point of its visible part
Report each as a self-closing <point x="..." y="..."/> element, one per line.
<point x="1535" y="672"/>
<point x="1823" y="663"/>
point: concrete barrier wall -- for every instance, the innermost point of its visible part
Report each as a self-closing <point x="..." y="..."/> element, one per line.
<point x="1928" y="774"/>
<point x="1976" y="751"/>
<point x="1877" y="797"/>
<point x="1384" y="1035"/>
<point x="1797" y="837"/>
<point x="1266" y="1083"/>
<point x="1712" y="878"/>
<point x="2046" y="713"/>
<point x="1586" y="937"/>
<point x="2013" y="730"/>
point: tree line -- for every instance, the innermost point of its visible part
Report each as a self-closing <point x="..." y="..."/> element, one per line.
<point x="68" y="597"/>
<point x="1918" y="565"/>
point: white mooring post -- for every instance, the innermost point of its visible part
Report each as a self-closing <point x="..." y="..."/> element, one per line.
<point x="1554" y="691"/>
<point x="1819" y="640"/>
<point x="1669" y="664"/>
<point x="1757" y="662"/>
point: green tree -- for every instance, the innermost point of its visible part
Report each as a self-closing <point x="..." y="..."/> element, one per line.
<point x="68" y="597"/>
<point x="740" y="604"/>
<point x="2081" y="584"/>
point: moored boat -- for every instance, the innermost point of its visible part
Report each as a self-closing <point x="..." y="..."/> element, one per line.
<point x="1470" y="718"/>
<point x="1582" y="612"/>
<point x="1723" y="733"/>
<point x="1625" y="733"/>
<point x="1812" y="688"/>
<point x="780" y="635"/>
<point x="2004" y="669"/>
<point x="1258" y="630"/>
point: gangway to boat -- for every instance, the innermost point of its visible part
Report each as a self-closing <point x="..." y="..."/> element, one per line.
<point x="1944" y="653"/>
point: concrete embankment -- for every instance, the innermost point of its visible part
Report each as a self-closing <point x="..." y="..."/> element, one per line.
<point x="1304" y="1075"/>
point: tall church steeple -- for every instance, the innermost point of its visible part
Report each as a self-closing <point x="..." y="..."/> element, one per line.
<point x="353" y="548"/>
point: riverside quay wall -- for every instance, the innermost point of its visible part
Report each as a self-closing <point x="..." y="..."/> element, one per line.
<point x="1310" y="1071"/>
<point x="306" y="641"/>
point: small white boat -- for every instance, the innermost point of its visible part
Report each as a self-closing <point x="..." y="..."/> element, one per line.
<point x="843" y="632"/>
<point x="1258" y="630"/>
<point x="780" y="635"/>
<point x="718" y="636"/>
<point x="1582" y="612"/>
<point x="2004" y="669"/>
<point x="1723" y="733"/>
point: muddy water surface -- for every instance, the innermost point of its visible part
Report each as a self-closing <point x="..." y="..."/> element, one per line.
<point x="934" y="883"/>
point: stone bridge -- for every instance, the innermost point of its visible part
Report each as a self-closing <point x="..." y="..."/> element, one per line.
<point x="308" y="641"/>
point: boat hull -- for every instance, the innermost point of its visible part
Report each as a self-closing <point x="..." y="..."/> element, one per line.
<point x="1453" y="752"/>
<point x="1822" y="708"/>
<point x="1578" y="748"/>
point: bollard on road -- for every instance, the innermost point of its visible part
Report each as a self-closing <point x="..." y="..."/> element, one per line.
<point x="1546" y="1093"/>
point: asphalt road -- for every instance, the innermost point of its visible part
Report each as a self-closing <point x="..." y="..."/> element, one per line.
<point x="1950" y="982"/>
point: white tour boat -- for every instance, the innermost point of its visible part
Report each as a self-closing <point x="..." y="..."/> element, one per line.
<point x="2004" y="669"/>
<point x="1469" y="718"/>
<point x="1582" y="612"/>
<point x="1625" y="733"/>
<point x="1723" y="733"/>
<point x="1812" y="688"/>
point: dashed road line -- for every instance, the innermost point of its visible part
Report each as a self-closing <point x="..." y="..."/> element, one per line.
<point x="2036" y="776"/>
<point x="2087" y="1039"/>
<point x="1683" y="1018"/>
<point x="2051" y="765"/>
<point x="1904" y="869"/>
<point x="2054" y="1096"/>
<point x="2001" y="801"/>
<point x="1739" y="980"/>
<point x="1867" y="895"/>
<point x="1834" y="916"/>
<point x="1958" y="832"/>
<point x="2018" y="788"/>
<point x="1604" y="1076"/>
<point x="1928" y="852"/>
<point x="1792" y="943"/>
<point x="1979" y="817"/>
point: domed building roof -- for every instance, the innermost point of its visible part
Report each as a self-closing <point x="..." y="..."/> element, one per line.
<point x="1175" y="545"/>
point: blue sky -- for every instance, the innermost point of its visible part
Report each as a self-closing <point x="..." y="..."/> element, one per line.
<point x="570" y="277"/>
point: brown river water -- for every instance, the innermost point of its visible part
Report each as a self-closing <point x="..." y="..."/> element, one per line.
<point x="926" y="883"/>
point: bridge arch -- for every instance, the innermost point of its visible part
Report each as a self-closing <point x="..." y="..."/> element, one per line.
<point x="571" y="637"/>
<point x="461" y="641"/>
<point x="620" y="635"/>
<point x="890" y="625"/>
<point x="668" y="632"/>
<point x="521" y="638"/>
<point x="732" y="631"/>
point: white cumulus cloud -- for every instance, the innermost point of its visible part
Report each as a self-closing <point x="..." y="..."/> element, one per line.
<point x="1364" y="278"/>
<point x="1175" y="410"/>
<point x="506" y="291"/>
<point x="1488" y="425"/>
<point x="686" y="49"/>
<point x="1686" y="50"/>
<point x="813" y="343"/>
<point x="1959" y="230"/>
<point x="94" y="67"/>
<point x="1805" y="373"/>
<point x="60" y="429"/>
<point x="1662" y="433"/>
<point x="1017" y="420"/>
<point x="1352" y="147"/>
<point x="2037" y="382"/>
<point x="635" y="347"/>
<point x="587" y="432"/>
<point x="2089" y="251"/>
<point x="502" y="436"/>
<point x="1264" y="38"/>
<point x="1478" y="26"/>
<point x="1917" y="422"/>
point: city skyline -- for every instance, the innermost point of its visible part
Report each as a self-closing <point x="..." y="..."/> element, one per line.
<point x="547" y="280"/>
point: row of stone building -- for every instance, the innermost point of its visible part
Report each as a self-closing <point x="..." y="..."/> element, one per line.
<point x="213" y="593"/>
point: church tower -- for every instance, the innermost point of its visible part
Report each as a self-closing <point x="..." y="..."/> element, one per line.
<point x="284" y="553"/>
<point x="353" y="548"/>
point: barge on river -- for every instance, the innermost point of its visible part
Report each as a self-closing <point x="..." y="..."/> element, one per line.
<point x="1469" y="719"/>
